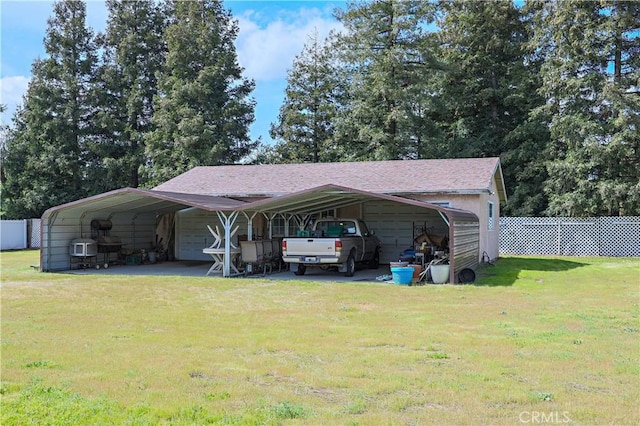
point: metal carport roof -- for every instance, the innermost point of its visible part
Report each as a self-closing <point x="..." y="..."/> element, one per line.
<point x="334" y="196"/>
<point x="303" y="202"/>
<point x="134" y="199"/>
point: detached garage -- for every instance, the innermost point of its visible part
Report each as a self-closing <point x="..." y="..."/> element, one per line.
<point x="456" y="198"/>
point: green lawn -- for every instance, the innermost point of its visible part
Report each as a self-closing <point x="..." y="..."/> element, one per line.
<point x="535" y="340"/>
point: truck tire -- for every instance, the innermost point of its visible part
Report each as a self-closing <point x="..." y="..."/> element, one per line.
<point x="350" y="266"/>
<point x="374" y="263"/>
<point x="301" y="270"/>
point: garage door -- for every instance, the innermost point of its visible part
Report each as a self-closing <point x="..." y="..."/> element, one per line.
<point x="394" y="225"/>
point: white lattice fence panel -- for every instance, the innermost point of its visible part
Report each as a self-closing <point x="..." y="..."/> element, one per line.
<point x="528" y="235"/>
<point x="34" y="231"/>
<point x="619" y="236"/>
<point x="604" y="236"/>
<point x="578" y="237"/>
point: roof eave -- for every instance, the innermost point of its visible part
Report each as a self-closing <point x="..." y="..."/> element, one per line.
<point x="497" y="174"/>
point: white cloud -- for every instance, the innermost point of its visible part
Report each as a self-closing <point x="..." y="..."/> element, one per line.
<point x="267" y="52"/>
<point x="11" y="91"/>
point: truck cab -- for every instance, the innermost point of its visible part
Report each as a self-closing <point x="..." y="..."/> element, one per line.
<point x="332" y="242"/>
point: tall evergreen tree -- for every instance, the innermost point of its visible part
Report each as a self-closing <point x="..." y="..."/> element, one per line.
<point x="590" y="79"/>
<point x="489" y="89"/>
<point x="389" y="64"/>
<point x="4" y="137"/>
<point x="203" y="110"/>
<point x="305" y="128"/>
<point x="134" y="53"/>
<point x="47" y="150"/>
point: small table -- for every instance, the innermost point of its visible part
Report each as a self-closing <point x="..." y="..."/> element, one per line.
<point x="218" y="259"/>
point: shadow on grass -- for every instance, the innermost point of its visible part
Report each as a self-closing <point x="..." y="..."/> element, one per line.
<point x="507" y="270"/>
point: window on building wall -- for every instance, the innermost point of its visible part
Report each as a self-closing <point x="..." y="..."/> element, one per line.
<point x="490" y="216"/>
<point x="328" y="213"/>
<point x="278" y="226"/>
<point x="441" y="203"/>
<point x="322" y="215"/>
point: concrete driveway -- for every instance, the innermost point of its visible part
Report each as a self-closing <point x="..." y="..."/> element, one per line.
<point x="199" y="269"/>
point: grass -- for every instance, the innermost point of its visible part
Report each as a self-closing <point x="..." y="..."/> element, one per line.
<point x="553" y="339"/>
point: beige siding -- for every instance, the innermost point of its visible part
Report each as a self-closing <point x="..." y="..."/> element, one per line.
<point x="478" y="204"/>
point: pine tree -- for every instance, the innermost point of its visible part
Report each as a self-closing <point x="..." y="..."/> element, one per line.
<point x="47" y="149"/>
<point x="590" y="79"/>
<point x="203" y="110"/>
<point x="389" y="65"/>
<point x="134" y="53"/>
<point x="489" y="89"/>
<point x="305" y="128"/>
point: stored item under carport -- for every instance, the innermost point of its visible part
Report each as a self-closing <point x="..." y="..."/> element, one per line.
<point x="83" y="252"/>
<point x="440" y="273"/>
<point x="466" y="276"/>
<point x="107" y="244"/>
<point x="402" y="275"/>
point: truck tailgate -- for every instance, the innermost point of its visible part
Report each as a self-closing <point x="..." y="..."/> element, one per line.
<point x="311" y="246"/>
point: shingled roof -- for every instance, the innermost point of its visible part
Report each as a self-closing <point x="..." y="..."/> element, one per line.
<point x="464" y="175"/>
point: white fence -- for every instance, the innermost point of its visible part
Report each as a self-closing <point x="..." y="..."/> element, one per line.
<point x="33" y="233"/>
<point x="19" y="234"/>
<point x="564" y="236"/>
<point x="13" y="234"/>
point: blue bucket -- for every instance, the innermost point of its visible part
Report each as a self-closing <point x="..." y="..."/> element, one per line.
<point x="402" y="276"/>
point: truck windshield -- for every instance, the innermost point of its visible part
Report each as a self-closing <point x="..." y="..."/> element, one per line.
<point x="336" y="228"/>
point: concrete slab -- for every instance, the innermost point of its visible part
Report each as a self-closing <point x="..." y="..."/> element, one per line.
<point x="182" y="268"/>
<point x="199" y="269"/>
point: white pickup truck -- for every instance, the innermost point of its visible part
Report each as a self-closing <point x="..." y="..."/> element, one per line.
<point x="332" y="242"/>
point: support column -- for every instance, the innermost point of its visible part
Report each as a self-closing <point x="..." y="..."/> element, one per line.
<point x="227" y="223"/>
<point x="249" y="234"/>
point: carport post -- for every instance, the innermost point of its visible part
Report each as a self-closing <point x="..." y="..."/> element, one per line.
<point x="270" y="219"/>
<point x="227" y="223"/>
<point x="287" y="218"/>
<point x="249" y="233"/>
<point x="249" y="224"/>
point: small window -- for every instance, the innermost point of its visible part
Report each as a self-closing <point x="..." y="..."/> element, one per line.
<point x="490" y="216"/>
<point x="278" y="227"/>
<point x="328" y="213"/>
<point x="440" y="203"/>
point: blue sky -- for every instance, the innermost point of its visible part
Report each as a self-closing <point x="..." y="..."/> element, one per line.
<point x="271" y="34"/>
